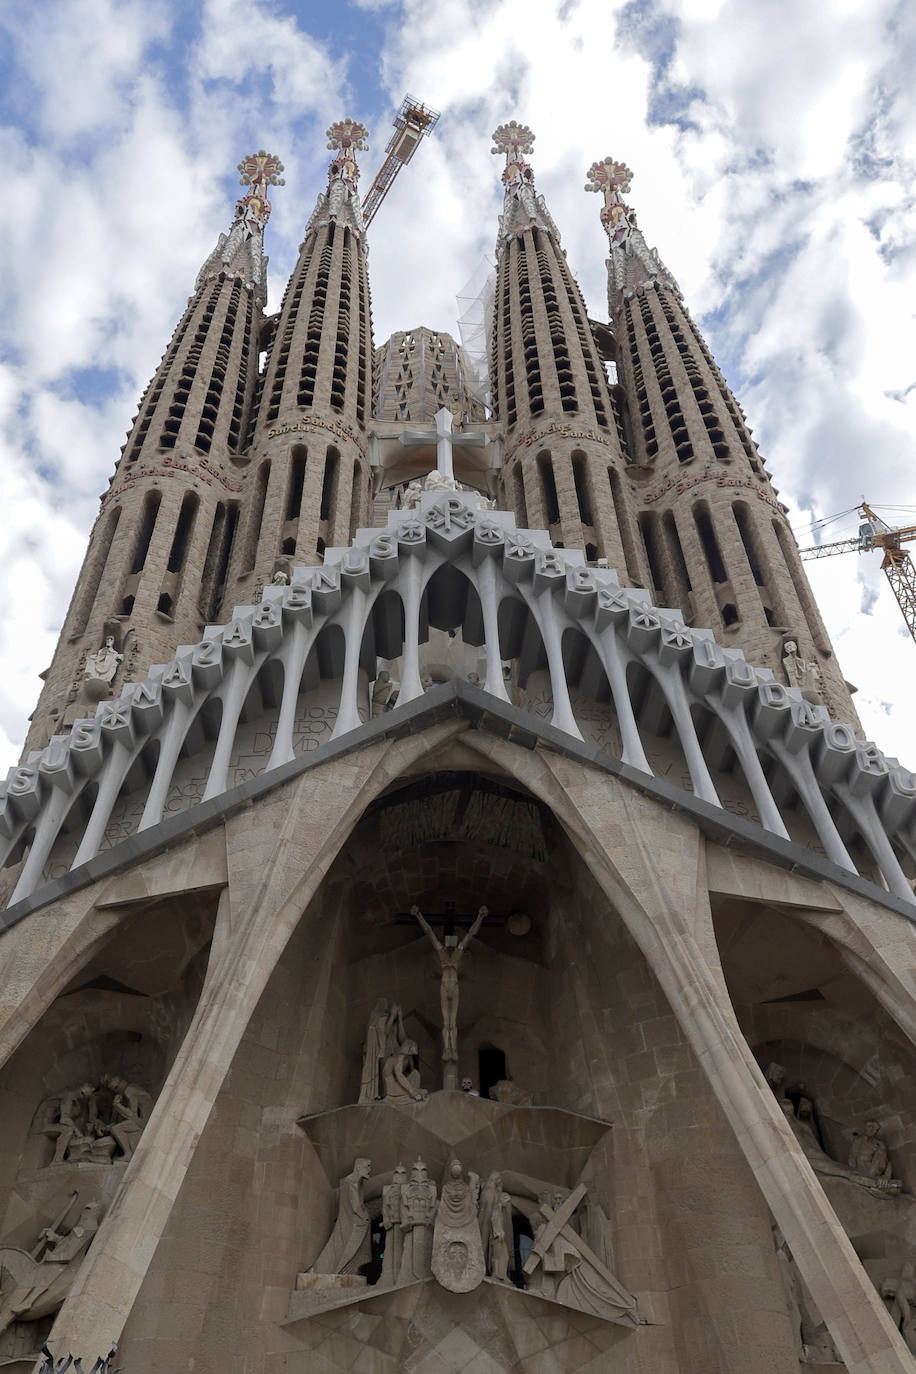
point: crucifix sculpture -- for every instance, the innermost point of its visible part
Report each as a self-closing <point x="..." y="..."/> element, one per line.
<point x="450" y="952"/>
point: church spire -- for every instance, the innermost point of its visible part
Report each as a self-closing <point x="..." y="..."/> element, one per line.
<point x="715" y="535"/>
<point x="309" y="482"/>
<point x="340" y="203"/>
<point x="564" y="459"/>
<point x="632" y="261"/>
<point x="240" y="253"/>
<point x="523" y="207"/>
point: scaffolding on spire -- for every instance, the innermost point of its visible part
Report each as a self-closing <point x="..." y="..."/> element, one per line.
<point x="411" y="123"/>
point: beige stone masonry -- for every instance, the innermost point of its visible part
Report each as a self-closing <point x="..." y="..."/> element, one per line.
<point x="619" y="835"/>
<point x="275" y="867"/>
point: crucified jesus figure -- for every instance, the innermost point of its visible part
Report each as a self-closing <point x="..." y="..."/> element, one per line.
<point x="450" y="955"/>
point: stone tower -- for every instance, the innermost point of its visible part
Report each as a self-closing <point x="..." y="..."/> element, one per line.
<point x="716" y="536"/>
<point x="155" y="568"/>
<point x="309" y="484"/>
<point x="565" y="459"/>
<point x="462" y="934"/>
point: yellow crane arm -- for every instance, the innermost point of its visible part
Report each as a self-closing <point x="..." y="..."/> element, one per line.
<point x="897" y="564"/>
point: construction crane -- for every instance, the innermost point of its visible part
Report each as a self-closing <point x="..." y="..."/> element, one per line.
<point x="411" y="123"/>
<point x="875" y="533"/>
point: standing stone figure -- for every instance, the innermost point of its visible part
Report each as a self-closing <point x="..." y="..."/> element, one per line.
<point x="383" y="693"/>
<point x="450" y="955"/>
<point x="350" y="1244"/>
<point x="391" y="1225"/>
<point x="418" y="1213"/>
<point x="496" y="1227"/>
<point x="458" y="1261"/>
<point x="71" y="1121"/>
<point x="801" y="672"/>
<point x="383" y="1034"/>
<point x="868" y="1153"/>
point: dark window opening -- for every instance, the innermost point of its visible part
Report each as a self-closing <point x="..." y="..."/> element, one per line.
<point x="710" y="543"/>
<point x="549" y="489"/>
<point x="296" y="483"/>
<point x="677" y="551"/>
<point x="328" y="483"/>
<point x="372" y="1269"/>
<point x="648" y="525"/>
<point x="164" y="604"/>
<point x="729" y="614"/>
<point x="746" y="530"/>
<point x="522" y="1245"/>
<point x="145" y="533"/>
<point x="491" y="1068"/>
<point x="580" y="477"/>
<point x="257" y="515"/>
<point x="182" y="534"/>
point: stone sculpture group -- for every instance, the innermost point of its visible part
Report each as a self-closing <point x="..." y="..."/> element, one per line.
<point x="35" y="1283"/>
<point x="463" y="1232"/>
<point x="868" y="1164"/>
<point x="98" y="1122"/>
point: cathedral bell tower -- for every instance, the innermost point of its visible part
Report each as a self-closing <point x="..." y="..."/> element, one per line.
<point x="564" y="455"/>
<point x="309" y="475"/>
<point x="154" y="571"/>
<point x="716" y="537"/>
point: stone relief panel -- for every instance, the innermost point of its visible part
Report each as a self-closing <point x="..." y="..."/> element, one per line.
<point x="849" y="1152"/>
<point x="95" y="1122"/>
<point x="34" y="1283"/>
<point x="396" y="1225"/>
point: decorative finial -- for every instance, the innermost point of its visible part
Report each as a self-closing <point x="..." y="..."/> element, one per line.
<point x="258" y="170"/>
<point x="610" y="178"/>
<point x="513" y="139"/>
<point x="633" y="265"/>
<point x="348" y="136"/>
<point x="524" y="208"/>
<point x="345" y="138"/>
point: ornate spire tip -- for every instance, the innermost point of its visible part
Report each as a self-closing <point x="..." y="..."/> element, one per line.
<point x="347" y="136"/>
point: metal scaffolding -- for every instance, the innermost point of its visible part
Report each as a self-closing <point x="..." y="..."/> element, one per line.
<point x="411" y="123"/>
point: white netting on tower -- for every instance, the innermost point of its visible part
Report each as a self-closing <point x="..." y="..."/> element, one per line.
<point x="475" y="326"/>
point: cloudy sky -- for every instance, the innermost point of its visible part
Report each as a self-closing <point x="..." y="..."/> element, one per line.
<point x="774" y="146"/>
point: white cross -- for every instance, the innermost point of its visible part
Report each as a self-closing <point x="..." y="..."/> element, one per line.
<point x="443" y="437"/>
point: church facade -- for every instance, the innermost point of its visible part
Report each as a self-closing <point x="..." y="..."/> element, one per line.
<point x="452" y="919"/>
